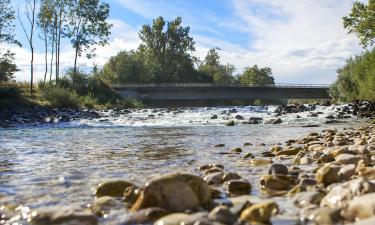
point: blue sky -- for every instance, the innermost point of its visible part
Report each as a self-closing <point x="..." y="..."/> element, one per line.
<point x="303" y="41"/>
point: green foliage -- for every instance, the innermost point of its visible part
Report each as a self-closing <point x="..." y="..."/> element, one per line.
<point x="7" y="67"/>
<point x="256" y="75"/>
<point x="61" y="97"/>
<point x="7" y="27"/>
<point x="361" y="22"/>
<point x="221" y="74"/>
<point x="356" y="79"/>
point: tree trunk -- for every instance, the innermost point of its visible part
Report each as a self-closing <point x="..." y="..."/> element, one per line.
<point x="52" y="52"/>
<point x="58" y="47"/>
<point x="32" y="69"/>
<point x="45" y="56"/>
<point x="75" y="66"/>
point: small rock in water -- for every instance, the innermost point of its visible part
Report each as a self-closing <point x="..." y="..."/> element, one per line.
<point x="219" y="145"/>
<point x="274" y="121"/>
<point x="103" y="205"/>
<point x="328" y="174"/>
<point x="144" y="216"/>
<point x="223" y="215"/>
<point x="236" y="150"/>
<point x="260" y="212"/>
<point x="237" y="187"/>
<point x="239" y="117"/>
<point x="278" y="169"/>
<point x="214" y="117"/>
<point x="230" y="123"/>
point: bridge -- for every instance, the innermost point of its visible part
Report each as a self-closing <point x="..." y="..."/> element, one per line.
<point x="189" y="92"/>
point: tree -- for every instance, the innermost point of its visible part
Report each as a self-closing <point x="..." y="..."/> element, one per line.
<point x="256" y="75"/>
<point x="45" y="22"/>
<point x="222" y="74"/>
<point x="167" y="50"/>
<point x="30" y="7"/>
<point x="7" y="36"/>
<point x="87" y="26"/>
<point x="361" y="21"/>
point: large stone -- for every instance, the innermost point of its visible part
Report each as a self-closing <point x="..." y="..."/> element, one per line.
<point x="346" y="158"/>
<point x="62" y="215"/>
<point x="361" y="207"/>
<point x="328" y="174"/>
<point x="306" y="198"/>
<point x="175" y="192"/>
<point x="114" y="188"/>
<point x="103" y="205"/>
<point x="322" y="215"/>
<point x="339" y="195"/>
<point x="280" y="183"/>
<point x="214" y="178"/>
<point x="260" y="212"/>
<point x="278" y="169"/>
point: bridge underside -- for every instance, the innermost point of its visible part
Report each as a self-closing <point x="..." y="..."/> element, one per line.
<point x="185" y="95"/>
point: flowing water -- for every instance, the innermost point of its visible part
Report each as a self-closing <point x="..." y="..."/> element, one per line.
<point x="60" y="164"/>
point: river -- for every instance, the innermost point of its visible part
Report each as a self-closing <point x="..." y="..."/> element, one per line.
<point x="61" y="164"/>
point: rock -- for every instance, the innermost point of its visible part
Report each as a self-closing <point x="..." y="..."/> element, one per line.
<point x="306" y="160"/>
<point x="278" y="169"/>
<point x="340" y="194"/>
<point x="279" y="182"/>
<point x="113" y="188"/>
<point x="260" y="212"/>
<point x="361" y="207"/>
<point x="247" y="144"/>
<point x="237" y="187"/>
<point x="260" y="162"/>
<point x="347" y="159"/>
<point x="328" y="174"/>
<point x="368" y="221"/>
<point x="62" y="215"/>
<point x="304" y="199"/>
<point x="346" y="172"/>
<point x="289" y="151"/>
<point x="183" y="218"/>
<point x="324" y="216"/>
<point x="219" y="145"/>
<point x="144" y="216"/>
<point x="231" y="176"/>
<point x="239" y="117"/>
<point x="131" y="195"/>
<point x="223" y="215"/>
<point x="236" y="150"/>
<point x="230" y="123"/>
<point x="103" y="205"/>
<point x="213" y="170"/>
<point x="274" y="121"/>
<point x="214" y="117"/>
<point x="214" y="178"/>
<point x="174" y="192"/>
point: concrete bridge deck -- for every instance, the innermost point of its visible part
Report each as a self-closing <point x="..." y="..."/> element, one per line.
<point x="208" y="91"/>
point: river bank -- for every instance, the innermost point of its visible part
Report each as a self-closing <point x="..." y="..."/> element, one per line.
<point x="49" y="171"/>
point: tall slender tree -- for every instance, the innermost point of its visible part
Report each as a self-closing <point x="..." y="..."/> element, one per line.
<point x="30" y="13"/>
<point x="87" y="27"/>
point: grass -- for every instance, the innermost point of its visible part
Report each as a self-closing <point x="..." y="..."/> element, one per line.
<point x="54" y="96"/>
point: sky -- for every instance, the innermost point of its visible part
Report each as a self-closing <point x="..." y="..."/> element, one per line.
<point x="302" y="41"/>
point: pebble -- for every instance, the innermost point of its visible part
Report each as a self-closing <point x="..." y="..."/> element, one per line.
<point x="237" y="187"/>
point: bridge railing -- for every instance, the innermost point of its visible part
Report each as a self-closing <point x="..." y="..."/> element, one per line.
<point x="169" y="85"/>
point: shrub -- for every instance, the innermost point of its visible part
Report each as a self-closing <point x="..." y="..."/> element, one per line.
<point x="61" y="97"/>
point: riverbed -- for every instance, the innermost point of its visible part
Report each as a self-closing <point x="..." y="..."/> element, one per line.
<point x="61" y="164"/>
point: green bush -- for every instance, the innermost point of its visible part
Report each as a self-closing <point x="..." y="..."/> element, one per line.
<point x="61" y="97"/>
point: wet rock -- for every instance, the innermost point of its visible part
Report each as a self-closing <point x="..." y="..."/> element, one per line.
<point x="247" y="144"/>
<point x="237" y="187"/>
<point x="280" y="182"/>
<point x="144" y="216"/>
<point x="230" y="123"/>
<point x="236" y="150"/>
<point x="260" y="212"/>
<point x="213" y="169"/>
<point x="274" y="121"/>
<point x="131" y="195"/>
<point x="214" y="178"/>
<point x="223" y="215"/>
<point x="103" y="205"/>
<point x="260" y="162"/>
<point x="328" y="174"/>
<point x="175" y="192"/>
<point x="304" y="199"/>
<point x="231" y="176"/>
<point x="239" y="117"/>
<point x="219" y="145"/>
<point x="278" y="169"/>
<point x="289" y="151"/>
<point x="62" y="215"/>
<point x="306" y="160"/>
<point x="113" y="188"/>
<point x="340" y="194"/>
<point x="248" y="155"/>
<point x="214" y="117"/>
